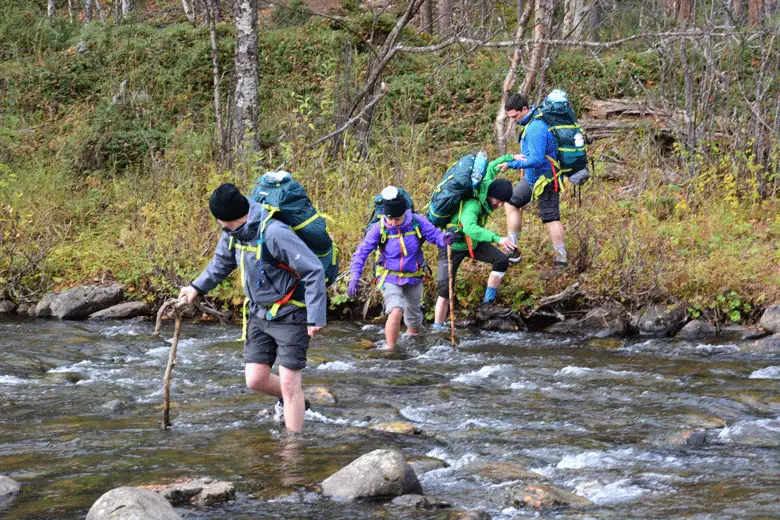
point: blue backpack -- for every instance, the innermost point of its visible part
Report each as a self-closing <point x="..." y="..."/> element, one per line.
<point x="460" y="182"/>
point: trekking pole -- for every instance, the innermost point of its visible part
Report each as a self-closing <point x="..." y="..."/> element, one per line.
<point x="166" y="423"/>
<point x="452" y="296"/>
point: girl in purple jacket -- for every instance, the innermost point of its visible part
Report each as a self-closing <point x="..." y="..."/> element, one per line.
<point x="399" y="269"/>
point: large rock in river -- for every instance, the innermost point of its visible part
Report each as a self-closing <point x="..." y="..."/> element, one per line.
<point x="78" y="303"/>
<point x="129" y="503"/>
<point x="662" y="320"/>
<point x="770" y="320"/>
<point x="381" y="473"/>
<point x="8" y="489"/>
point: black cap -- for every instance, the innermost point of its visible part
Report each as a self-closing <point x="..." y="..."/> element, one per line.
<point x="500" y="189"/>
<point x="395" y="207"/>
<point x="227" y="203"/>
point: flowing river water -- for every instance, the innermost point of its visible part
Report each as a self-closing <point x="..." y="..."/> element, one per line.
<point x="592" y="416"/>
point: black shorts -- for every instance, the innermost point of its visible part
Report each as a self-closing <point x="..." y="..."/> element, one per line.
<point x="286" y="337"/>
<point x="484" y="252"/>
<point x="548" y="203"/>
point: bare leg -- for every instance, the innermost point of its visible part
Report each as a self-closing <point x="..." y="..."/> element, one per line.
<point x="260" y="379"/>
<point x="292" y="394"/>
<point x="412" y="331"/>
<point x="442" y="308"/>
<point x="555" y="230"/>
<point x="494" y="280"/>
<point x="393" y="327"/>
<point x="514" y="219"/>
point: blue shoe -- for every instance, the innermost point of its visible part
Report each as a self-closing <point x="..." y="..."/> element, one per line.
<point x="440" y="327"/>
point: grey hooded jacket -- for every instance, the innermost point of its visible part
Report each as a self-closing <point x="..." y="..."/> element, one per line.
<point x="283" y="245"/>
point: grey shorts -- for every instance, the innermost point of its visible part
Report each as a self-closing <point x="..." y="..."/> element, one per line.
<point x="407" y="298"/>
<point x="286" y="338"/>
<point x="548" y="203"/>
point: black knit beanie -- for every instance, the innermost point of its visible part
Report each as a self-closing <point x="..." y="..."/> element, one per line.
<point x="227" y="203"/>
<point x="395" y="207"/>
<point x="500" y="189"/>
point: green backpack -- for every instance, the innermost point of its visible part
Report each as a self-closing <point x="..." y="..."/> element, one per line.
<point x="282" y="197"/>
<point x="556" y="111"/>
<point x="460" y="182"/>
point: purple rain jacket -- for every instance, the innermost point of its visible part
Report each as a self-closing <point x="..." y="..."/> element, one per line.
<point x="392" y="255"/>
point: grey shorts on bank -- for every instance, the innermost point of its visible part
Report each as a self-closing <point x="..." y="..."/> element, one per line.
<point x="548" y="202"/>
<point x="407" y="298"/>
<point x="285" y="339"/>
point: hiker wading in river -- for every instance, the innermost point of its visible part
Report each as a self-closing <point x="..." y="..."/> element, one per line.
<point x="284" y="270"/>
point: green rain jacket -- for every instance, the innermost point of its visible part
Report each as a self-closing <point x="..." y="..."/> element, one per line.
<point x="471" y="219"/>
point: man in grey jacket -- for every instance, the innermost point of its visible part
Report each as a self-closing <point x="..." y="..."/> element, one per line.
<point x="285" y="287"/>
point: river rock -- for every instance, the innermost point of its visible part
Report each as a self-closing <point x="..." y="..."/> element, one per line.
<point x="696" y="329"/>
<point x="7" y="306"/>
<point x="472" y="515"/>
<point x="43" y="308"/>
<point x="201" y="491"/>
<point x="420" y="502"/>
<point x="761" y="432"/>
<point x="322" y="396"/>
<point x="129" y="503"/>
<point x="662" y="320"/>
<point x="426" y="464"/>
<point x="122" y="311"/>
<point x="381" y="473"/>
<point x="495" y="471"/>
<point x="114" y="408"/>
<point x="542" y="496"/>
<point x="770" y="320"/>
<point x="396" y="427"/>
<point x="767" y="345"/>
<point x="78" y="303"/>
<point x="693" y="438"/>
<point x="8" y="488"/>
<point x="23" y="308"/>
<point x="502" y="324"/>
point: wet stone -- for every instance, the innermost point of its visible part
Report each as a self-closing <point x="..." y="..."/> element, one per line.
<point x="696" y="329"/>
<point x="541" y="496"/>
<point x="24" y="308"/>
<point x="426" y="464"/>
<point x="471" y="515"/>
<point x="662" y="320"/>
<point x="693" y="438"/>
<point x="8" y="488"/>
<point x="130" y="503"/>
<point x="115" y="407"/>
<point x="420" y="502"/>
<point x="495" y="471"/>
<point x="770" y="320"/>
<point x="380" y="473"/>
<point x="767" y="345"/>
<point x="122" y="311"/>
<point x="322" y="396"/>
<point x="396" y="427"/>
<point x="7" y="306"/>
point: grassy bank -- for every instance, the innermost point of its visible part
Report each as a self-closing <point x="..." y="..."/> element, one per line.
<point x="93" y="190"/>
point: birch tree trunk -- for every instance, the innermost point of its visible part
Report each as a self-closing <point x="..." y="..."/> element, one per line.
<point x="70" y="10"/>
<point x="445" y="17"/>
<point x="245" y="99"/>
<point x="211" y="15"/>
<point x="542" y="24"/>
<point x="188" y="11"/>
<point x="127" y="6"/>
<point x="87" y="11"/>
<point x="503" y="125"/>
<point x="52" y="10"/>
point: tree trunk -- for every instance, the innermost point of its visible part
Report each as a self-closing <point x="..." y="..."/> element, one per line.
<point x="52" y="10"/>
<point x="503" y="125"/>
<point x="520" y="9"/>
<point x="594" y="21"/>
<point x="100" y="11"/>
<point x="87" y="11"/>
<point x="427" y="17"/>
<point x="211" y="12"/>
<point x="127" y="6"/>
<point x="738" y="10"/>
<point x="70" y="10"/>
<point x="542" y="23"/>
<point x="188" y="11"/>
<point x="683" y="11"/>
<point x="755" y="12"/>
<point x="445" y="17"/>
<point x="245" y="99"/>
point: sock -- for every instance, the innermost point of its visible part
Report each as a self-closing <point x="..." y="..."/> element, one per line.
<point x="560" y="254"/>
<point x="514" y="237"/>
<point x="490" y="295"/>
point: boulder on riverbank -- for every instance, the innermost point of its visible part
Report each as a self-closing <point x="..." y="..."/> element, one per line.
<point x="767" y="345"/>
<point x="78" y="303"/>
<point x="770" y="320"/>
<point x="378" y="474"/>
<point x="131" y="503"/>
<point x="661" y="320"/>
<point x="609" y="320"/>
<point x="9" y="488"/>
<point x="7" y="306"/>
<point x="122" y="311"/>
<point x="696" y="329"/>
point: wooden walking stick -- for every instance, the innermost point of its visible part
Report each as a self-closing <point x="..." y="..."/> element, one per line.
<point x="452" y="295"/>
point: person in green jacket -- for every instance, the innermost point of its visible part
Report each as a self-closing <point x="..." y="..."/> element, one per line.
<point x="476" y="242"/>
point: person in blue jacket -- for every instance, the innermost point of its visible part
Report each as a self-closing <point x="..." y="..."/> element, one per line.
<point x="537" y="147"/>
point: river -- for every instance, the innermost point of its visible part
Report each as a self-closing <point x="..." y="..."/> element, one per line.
<point x="593" y="416"/>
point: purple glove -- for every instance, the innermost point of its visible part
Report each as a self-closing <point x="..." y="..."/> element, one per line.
<point x="353" y="288"/>
<point x="449" y="238"/>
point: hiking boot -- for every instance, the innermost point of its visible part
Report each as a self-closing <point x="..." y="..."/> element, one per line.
<point x="514" y="257"/>
<point x="487" y="310"/>
<point x="280" y="405"/>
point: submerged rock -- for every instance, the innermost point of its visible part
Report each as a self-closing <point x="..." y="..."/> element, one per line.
<point x="426" y="464"/>
<point x="396" y="427"/>
<point x="420" y="502"/>
<point x="472" y="515"/>
<point x="495" y="471"/>
<point x="201" y="491"/>
<point x="661" y="320"/>
<point x="696" y="329"/>
<point x="380" y="473"/>
<point x="122" y="311"/>
<point x="770" y="320"/>
<point x="322" y="396"/>
<point x="78" y="303"/>
<point x="130" y="503"/>
<point x="541" y="496"/>
<point x="692" y="438"/>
